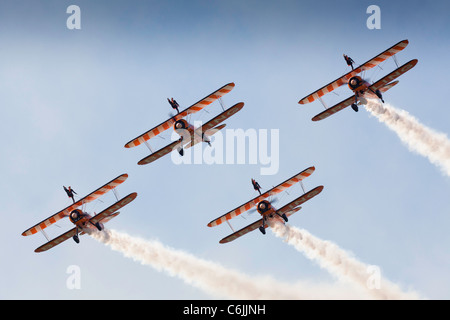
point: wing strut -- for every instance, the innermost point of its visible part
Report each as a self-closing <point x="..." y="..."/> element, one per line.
<point x="395" y="60"/>
<point x="221" y="104"/>
<point x="45" y="235"/>
<point x="323" y="103"/>
<point x="116" y="194"/>
<point x="148" y="146"/>
<point x="303" y="187"/>
<point x="230" y="226"/>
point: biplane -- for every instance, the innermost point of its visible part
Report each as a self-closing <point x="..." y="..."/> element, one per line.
<point x="361" y="88"/>
<point x="266" y="209"/>
<point x="83" y="221"/>
<point x="189" y="135"/>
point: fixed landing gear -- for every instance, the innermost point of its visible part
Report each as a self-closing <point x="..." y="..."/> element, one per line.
<point x="378" y="93"/>
<point x="76" y="237"/>
<point x="262" y="229"/>
<point x="98" y="226"/>
<point x="355" y="107"/>
<point x="205" y="139"/>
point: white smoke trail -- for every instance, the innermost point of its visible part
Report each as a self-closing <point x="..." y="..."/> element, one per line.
<point x="419" y="138"/>
<point x="340" y="263"/>
<point x="215" y="279"/>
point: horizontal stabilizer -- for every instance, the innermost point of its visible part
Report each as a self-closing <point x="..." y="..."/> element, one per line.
<point x="388" y="86"/>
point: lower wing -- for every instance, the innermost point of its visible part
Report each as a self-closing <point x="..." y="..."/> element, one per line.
<point x="255" y="225"/>
<point x="113" y="208"/>
<point x="69" y="234"/>
<point x="393" y="75"/>
<point x="300" y="200"/>
<point x="338" y="107"/>
<point x="160" y="153"/>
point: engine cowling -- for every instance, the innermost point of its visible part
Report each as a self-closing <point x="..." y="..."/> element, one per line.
<point x="263" y="206"/>
<point x="355" y="82"/>
<point x="180" y="124"/>
<point x="75" y="215"/>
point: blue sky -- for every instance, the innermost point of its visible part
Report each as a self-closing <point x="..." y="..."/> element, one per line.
<point x="71" y="99"/>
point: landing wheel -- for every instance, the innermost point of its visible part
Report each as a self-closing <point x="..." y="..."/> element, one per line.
<point x="181" y="151"/>
<point x="98" y="226"/>
<point x="379" y="95"/>
<point x="283" y="216"/>
<point x="262" y="229"/>
<point x="76" y="239"/>
<point x="355" y="107"/>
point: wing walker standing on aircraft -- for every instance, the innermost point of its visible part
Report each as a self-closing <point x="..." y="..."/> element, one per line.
<point x="360" y="87"/>
<point x="83" y="221"/>
<point x="266" y="209"/>
<point x="189" y="136"/>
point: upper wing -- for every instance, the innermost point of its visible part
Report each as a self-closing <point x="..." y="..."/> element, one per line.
<point x="113" y="208"/>
<point x="332" y="110"/>
<point x="65" y="212"/>
<point x="57" y="240"/>
<point x="365" y="66"/>
<point x="192" y="109"/>
<point x="246" y="206"/>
